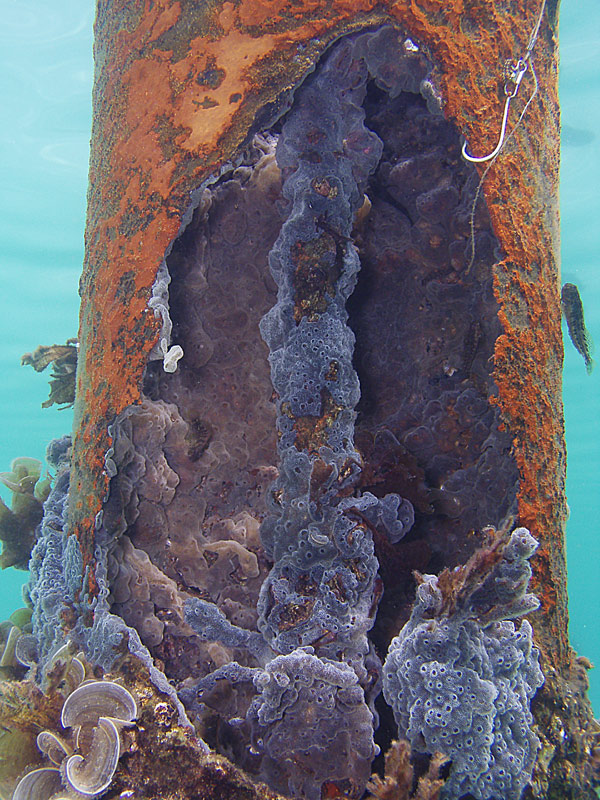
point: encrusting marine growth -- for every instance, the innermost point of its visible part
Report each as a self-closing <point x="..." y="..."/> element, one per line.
<point x="86" y="758"/>
<point x="318" y="421"/>
<point x="460" y="676"/>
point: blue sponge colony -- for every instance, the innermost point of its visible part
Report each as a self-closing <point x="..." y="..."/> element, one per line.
<point x="320" y="591"/>
<point x="460" y="679"/>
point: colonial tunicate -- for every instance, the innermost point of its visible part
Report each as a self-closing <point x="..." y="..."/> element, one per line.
<point x="460" y="676"/>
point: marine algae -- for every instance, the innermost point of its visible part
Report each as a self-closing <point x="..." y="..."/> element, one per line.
<point x="398" y="780"/>
<point x="18" y="524"/>
<point x="64" y="364"/>
<point x="11" y="630"/>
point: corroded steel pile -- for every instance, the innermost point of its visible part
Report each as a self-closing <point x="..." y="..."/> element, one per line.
<point x="279" y="213"/>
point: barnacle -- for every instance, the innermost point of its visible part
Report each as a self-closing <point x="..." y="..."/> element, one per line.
<point x="85" y="762"/>
<point x="19" y="522"/>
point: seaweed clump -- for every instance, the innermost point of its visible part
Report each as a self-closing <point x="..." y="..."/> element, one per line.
<point x="63" y="358"/>
<point x="88" y="733"/>
<point x="398" y="781"/>
<point x="18" y="523"/>
<point x="11" y="630"/>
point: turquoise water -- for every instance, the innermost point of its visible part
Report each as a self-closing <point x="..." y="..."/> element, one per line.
<point x="45" y="89"/>
<point x="45" y="97"/>
<point x="580" y="210"/>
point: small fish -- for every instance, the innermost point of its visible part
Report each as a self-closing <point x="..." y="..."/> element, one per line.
<point x="573" y="310"/>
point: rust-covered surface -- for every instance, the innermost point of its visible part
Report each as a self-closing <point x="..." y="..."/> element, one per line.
<point x="180" y="87"/>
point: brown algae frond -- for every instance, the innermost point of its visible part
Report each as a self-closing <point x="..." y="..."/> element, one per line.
<point x="84" y="761"/>
<point x="63" y="358"/>
<point x="19" y="522"/>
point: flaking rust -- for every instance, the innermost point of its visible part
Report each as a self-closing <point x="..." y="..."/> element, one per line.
<point x="181" y="86"/>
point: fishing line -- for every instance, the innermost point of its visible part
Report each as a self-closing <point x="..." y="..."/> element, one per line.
<point x="513" y="74"/>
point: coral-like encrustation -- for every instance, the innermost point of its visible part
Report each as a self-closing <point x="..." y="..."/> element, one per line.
<point x="190" y="87"/>
<point x="460" y="676"/>
<point x="164" y="760"/>
<point x="190" y="470"/>
<point x="64" y="608"/>
<point x="321" y="590"/>
<point x="171" y="544"/>
<point x="56" y="564"/>
<point x="256" y="598"/>
<point x="307" y="709"/>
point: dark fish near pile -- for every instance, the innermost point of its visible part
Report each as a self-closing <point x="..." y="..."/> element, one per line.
<point x="573" y="310"/>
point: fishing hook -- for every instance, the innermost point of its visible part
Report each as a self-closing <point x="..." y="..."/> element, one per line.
<point x="514" y="72"/>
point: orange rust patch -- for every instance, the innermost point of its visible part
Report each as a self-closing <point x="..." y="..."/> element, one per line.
<point x="295" y="613"/>
<point x="312" y="431"/>
<point x="317" y="268"/>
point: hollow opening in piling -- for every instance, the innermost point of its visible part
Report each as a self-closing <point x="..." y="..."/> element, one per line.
<point x="197" y="460"/>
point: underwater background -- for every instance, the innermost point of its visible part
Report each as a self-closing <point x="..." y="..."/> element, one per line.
<point x="46" y="74"/>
